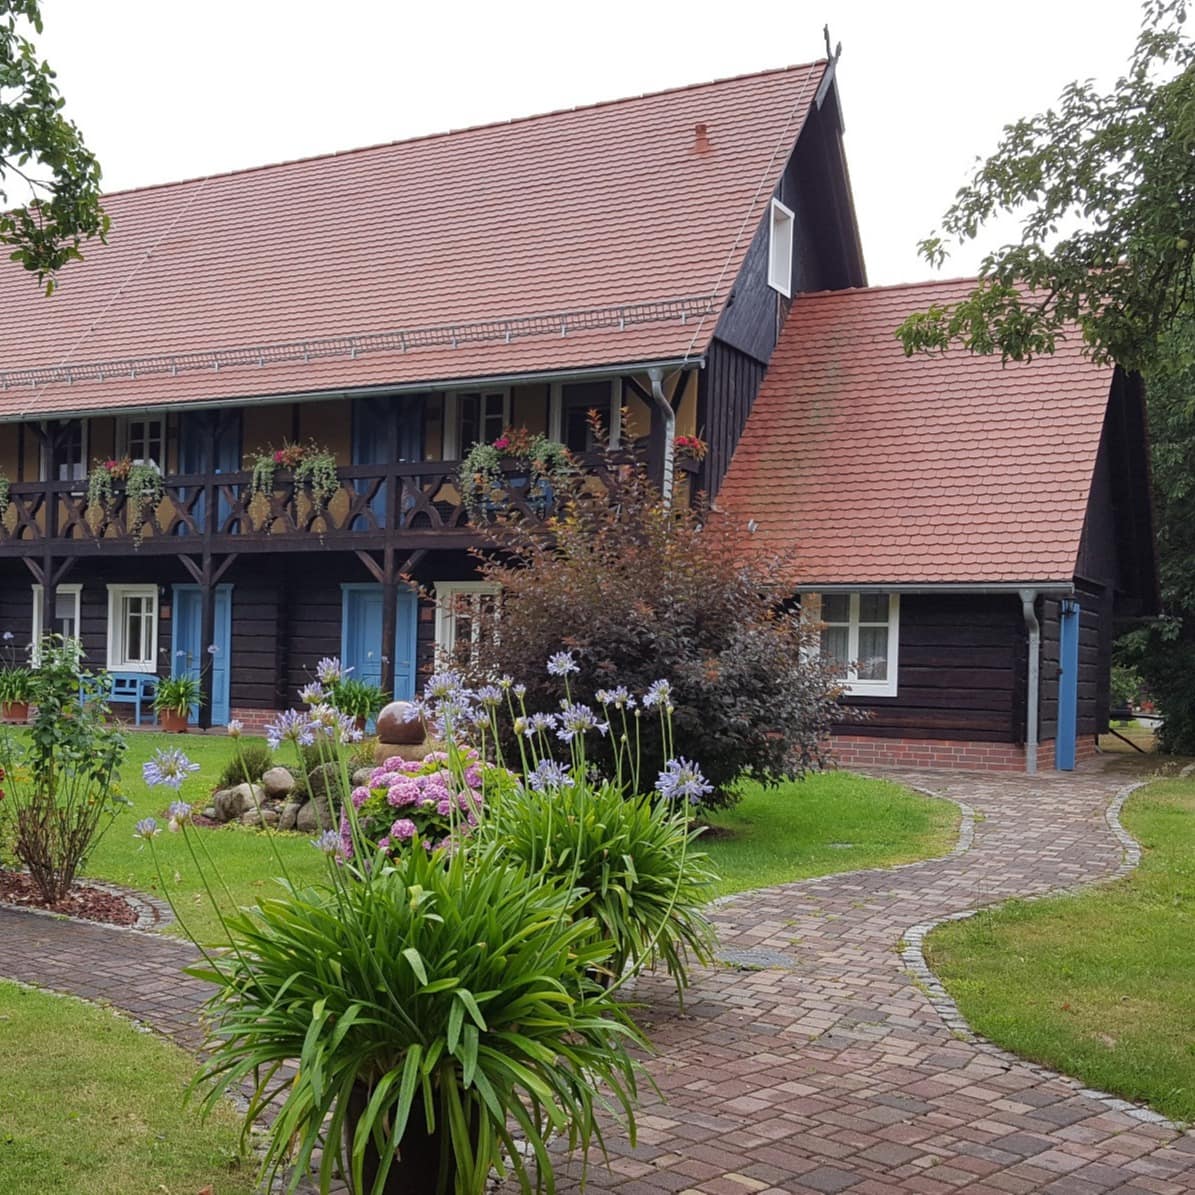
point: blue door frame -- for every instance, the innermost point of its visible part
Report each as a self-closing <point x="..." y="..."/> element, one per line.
<point x="361" y="636"/>
<point x="1068" y="686"/>
<point x="188" y="655"/>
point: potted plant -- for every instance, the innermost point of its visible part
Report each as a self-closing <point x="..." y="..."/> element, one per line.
<point x="173" y="701"/>
<point x="312" y="466"/>
<point x="142" y="486"/>
<point x="516" y="461"/>
<point x="15" y="685"/>
<point x="357" y="698"/>
<point x="689" y="452"/>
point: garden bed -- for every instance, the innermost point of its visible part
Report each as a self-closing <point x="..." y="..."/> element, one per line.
<point x="83" y="901"/>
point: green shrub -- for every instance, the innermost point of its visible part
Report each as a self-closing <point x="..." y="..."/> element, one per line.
<point x="60" y="794"/>
<point x="431" y="1005"/>
<point x="630" y="863"/>
<point x="251" y="760"/>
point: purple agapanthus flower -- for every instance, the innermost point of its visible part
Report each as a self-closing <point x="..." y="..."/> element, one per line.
<point x="561" y="663"/>
<point x="489" y="695"/>
<point x="682" y="780"/>
<point x="291" y="726"/>
<point x="329" y="843"/>
<point x="549" y="776"/>
<point x="236" y="728"/>
<point x="312" y="693"/>
<point x="619" y="697"/>
<point x="168" y="766"/>
<point x="538" y="723"/>
<point x="659" y="692"/>
<point x="179" y="814"/>
<point x="328" y="671"/>
<point x="146" y="828"/>
<point x="576" y="719"/>
<point x="444" y="686"/>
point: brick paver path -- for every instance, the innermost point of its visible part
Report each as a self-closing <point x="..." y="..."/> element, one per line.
<point x="827" y="1070"/>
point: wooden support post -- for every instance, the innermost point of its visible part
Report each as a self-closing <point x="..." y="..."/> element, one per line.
<point x="389" y="620"/>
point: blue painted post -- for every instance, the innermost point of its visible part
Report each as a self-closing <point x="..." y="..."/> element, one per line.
<point x="1068" y="686"/>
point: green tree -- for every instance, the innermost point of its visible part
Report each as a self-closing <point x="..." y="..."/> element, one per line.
<point x="1105" y="188"/>
<point x="40" y="146"/>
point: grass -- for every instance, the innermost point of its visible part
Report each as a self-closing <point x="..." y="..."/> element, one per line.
<point x="1100" y="985"/>
<point x="90" y="1104"/>
<point x="828" y="822"/>
<point x="247" y="866"/>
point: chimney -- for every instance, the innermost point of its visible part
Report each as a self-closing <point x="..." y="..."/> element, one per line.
<point x="702" y="143"/>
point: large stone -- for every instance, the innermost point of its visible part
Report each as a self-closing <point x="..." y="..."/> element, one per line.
<point x="289" y="816"/>
<point x="412" y="751"/>
<point x="231" y="803"/>
<point x="278" y="782"/>
<point x="314" y="816"/>
<point x="361" y="776"/>
<point x="394" y="726"/>
<point x="260" y="817"/>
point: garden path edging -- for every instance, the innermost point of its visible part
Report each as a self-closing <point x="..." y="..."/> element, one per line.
<point x="913" y="955"/>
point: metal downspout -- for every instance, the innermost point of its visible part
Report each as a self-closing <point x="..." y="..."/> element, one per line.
<point x="656" y="376"/>
<point x="1028" y="601"/>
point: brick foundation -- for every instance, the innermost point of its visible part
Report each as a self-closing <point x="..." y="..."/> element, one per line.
<point x="868" y="751"/>
<point x="255" y="721"/>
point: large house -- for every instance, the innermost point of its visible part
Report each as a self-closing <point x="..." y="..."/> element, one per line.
<point x="686" y="262"/>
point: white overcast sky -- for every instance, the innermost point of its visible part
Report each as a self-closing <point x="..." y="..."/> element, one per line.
<point x="169" y="89"/>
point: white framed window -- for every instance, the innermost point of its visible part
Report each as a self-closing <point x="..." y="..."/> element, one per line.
<point x="569" y="407"/>
<point x="860" y="632"/>
<point x="142" y="439"/>
<point x="780" y="248"/>
<point x="132" y="628"/>
<point x="474" y="417"/>
<point x="66" y="614"/>
<point x="69" y="453"/>
<point x="459" y="609"/>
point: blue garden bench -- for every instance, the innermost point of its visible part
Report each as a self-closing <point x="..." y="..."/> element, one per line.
<point x="128" y="688"/>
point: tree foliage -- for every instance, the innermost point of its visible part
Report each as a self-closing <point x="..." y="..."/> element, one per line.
<point x="641" y="592"/>
<point x="40" y="146"/>
<point x="1105" y="187"/>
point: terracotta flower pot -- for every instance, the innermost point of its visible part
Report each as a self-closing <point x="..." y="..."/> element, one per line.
<point x="14" y="711"/>
<point x="173" y="722"/>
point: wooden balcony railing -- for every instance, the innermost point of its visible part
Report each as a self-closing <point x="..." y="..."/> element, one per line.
<point x="406" y="503"/>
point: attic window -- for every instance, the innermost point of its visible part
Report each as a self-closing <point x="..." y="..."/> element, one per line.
<point x="780" y="249"/>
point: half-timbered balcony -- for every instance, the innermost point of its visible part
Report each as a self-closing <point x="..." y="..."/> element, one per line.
<point x="403" y="505"/>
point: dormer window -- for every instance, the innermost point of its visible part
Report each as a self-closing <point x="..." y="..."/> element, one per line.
<point x="780" y="249"/>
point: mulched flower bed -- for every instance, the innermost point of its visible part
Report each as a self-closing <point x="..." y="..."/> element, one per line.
<point x="91" y="904"/>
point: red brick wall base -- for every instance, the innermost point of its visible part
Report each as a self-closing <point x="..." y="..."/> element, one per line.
<point x="254" y="721"/>
<point x="863" y="751"/>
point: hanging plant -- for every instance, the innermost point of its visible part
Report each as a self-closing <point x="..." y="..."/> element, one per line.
<point x="5" y="500"/>
<point x="102" y="478"/>
<point x="143" y="489"/>
<point x="312" y="466"/>
<point x="545" y="462"/>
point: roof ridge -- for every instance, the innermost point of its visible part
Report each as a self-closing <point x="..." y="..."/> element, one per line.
<point x="474" y="128"/>
<point x="860" y="290"/>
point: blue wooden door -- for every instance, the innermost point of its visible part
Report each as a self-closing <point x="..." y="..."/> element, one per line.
<point x="386" y="428"/>
<point x="1068" y="686"/>
<point x="193" y="430"/>
<point x="361" y="636"/>
<point x="189" y="654"/>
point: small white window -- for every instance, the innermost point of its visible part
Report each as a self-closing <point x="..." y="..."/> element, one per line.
<point x="459" y="609"/>
<point x="475" y="417"/>
<point x="780" y="249"/>
<point x="860" y="633"/>
<point x="143" y="440"/>
<point x="132" y="628"/>
<point x="66" y="614"/>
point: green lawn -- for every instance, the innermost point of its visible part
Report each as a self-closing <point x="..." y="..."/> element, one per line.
<point x="828" y="822"/>
<point x="1099" y="985"/>
<point x="91" y="1106"/>
<point x="247" y="866"/>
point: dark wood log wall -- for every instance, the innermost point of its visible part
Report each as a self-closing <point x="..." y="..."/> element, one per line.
<point x="726" y="391"/>
<point x="957" y="675"/>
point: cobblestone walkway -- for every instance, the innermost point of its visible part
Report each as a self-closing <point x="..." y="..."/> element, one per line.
<point x="818" y="1064"/>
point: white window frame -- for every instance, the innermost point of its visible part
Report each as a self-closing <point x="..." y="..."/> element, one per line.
<point x="613" y="414"/>
<point x="852" y="685"/>
<point x="44" y="455"/>
<point x="70" y="589"/>
<point x="453" y="449"/>
<point x="123" y="437"/>
<point x="781" y="230"/>
<point x="446" y="593"/>
<point x="117" y="654"/>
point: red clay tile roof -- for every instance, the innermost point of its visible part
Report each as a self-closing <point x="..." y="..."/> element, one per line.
<point x="595" y="207"/>
<point x="881" y="469"/>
